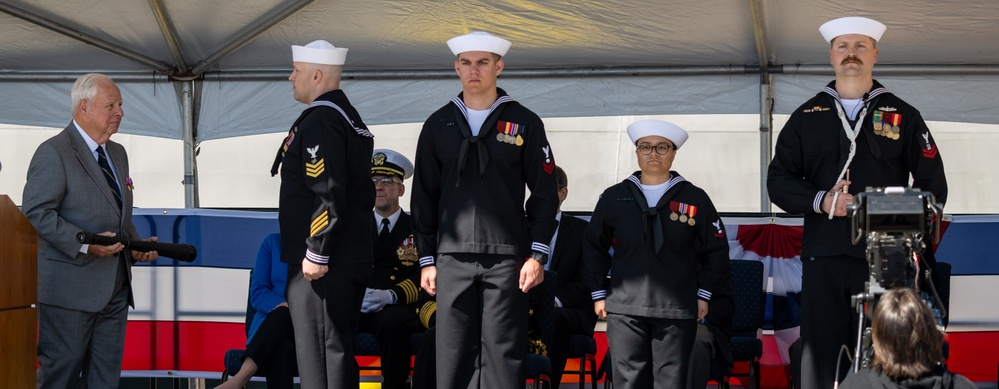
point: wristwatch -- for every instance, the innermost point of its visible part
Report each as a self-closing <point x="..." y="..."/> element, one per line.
<point x="542" y="258"/>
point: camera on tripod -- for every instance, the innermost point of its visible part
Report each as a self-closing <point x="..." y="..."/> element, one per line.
<point x="894" y="221"/>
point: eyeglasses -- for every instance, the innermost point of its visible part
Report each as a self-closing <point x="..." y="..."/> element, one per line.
<point x="661" y="149"/>
<point x="384" y="181"/>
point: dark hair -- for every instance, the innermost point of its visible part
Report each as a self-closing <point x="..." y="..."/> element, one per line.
<point x="907" y="343"/>
<point x="561" y="180"/>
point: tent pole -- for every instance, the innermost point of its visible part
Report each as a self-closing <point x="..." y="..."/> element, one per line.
<point x="436" y="74"/>
<point x="143" y="76"/>
<point x="169" y="35"/>
<point x="766" y="98"/>
<point x="281" y="75"/>
<point x="766" y="136"/>
<point x="191" y="199"/>
<point x="248" y="34"/>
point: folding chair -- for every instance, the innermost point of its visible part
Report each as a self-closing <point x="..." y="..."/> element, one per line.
<point x="750" y="302"/>
<point x="539" y="367"/>
<point x="584" y="348"/>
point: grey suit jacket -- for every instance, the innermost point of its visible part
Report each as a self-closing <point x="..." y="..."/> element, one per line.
<point x="66" y="193"/>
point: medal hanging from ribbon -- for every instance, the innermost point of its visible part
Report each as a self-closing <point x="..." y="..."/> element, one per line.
<point x="895" y="119"/>
<point x="510" y="133"/>
<point x="283" y="149"/>
<point x="886" y="124"/>
<point x="682" y="212"/>
<point x="407" y="251"/>
<point x="687" y="213"/>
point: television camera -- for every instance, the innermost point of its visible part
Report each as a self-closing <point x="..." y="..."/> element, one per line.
<point x="895" y="223"/>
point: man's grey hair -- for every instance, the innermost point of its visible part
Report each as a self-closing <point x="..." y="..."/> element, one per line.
<point x="85" y="88"/>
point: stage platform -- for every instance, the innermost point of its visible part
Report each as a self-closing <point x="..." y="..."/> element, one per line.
<point x="188" y="314"/>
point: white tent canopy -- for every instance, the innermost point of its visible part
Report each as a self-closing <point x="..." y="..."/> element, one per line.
<point x="200" y="70"/>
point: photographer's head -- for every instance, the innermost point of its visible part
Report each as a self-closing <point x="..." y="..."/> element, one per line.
<point x="907" y="343"/>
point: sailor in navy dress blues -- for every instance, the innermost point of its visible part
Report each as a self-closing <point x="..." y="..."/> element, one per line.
<point x="393" y="297"/>
<point x="852" y="135"/>
<point x="325" y="218"/>
<point x="669" y="250"/>
<point x="481" y="247"/>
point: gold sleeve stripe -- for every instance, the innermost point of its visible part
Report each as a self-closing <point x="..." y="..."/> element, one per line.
<point x="315" y="169"/>
<point x="320" y="227"/>
<point x="321" y="219"/>
<point x="426" y="312"/>
<point x="320" y="222"/>
<point x="410" y="289"/>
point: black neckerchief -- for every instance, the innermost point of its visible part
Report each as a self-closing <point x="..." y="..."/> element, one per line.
<point x="286" y="143"/>
<point x="652" y="215"/>
<point x="466" y="131"/>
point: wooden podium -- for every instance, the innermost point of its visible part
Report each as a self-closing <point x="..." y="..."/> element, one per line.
<point x="18" y="294"/>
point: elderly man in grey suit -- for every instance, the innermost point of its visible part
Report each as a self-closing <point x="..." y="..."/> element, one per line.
<point x="78" y="181"/>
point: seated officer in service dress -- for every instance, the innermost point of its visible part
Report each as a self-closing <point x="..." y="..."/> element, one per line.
<point x="390" y="302"/>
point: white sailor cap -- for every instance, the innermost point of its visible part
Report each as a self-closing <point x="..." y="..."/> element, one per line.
<point x="385" y="162"/>
<point x="320" y="52"/>
<point x="478" y="41"/>
<point x="852" y="25"/>
<point x="644" y="128"/>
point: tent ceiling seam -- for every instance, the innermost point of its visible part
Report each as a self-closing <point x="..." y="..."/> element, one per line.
<point x="60" y="28"/>
<point x="244" y="37"/>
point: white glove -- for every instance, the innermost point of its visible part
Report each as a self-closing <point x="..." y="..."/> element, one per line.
<point x="376" y="299"/>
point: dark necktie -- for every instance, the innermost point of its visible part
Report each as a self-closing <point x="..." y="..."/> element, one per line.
<point x="102" y="160"/>
<point x="385" y="229"/>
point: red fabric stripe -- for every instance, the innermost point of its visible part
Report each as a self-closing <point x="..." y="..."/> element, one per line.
<point x="185" y="345"/>
<point x="181" y="345"/>
<point x="973" y="354"/>
<point x="771" y="240"/>
<point x="199" y="346"/>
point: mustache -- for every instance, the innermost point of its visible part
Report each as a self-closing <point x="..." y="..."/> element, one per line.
<point x="851" y="59"/>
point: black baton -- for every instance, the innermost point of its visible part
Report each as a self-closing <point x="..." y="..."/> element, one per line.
<point x="179" y="251"/>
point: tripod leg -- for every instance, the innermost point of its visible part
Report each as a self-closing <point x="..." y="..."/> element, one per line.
<point x="859" y="351"/>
